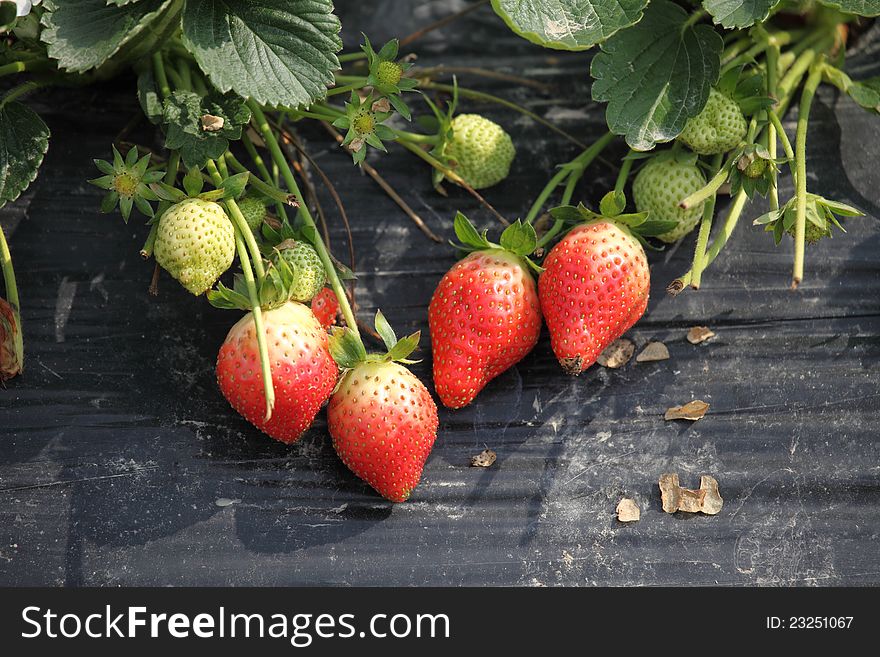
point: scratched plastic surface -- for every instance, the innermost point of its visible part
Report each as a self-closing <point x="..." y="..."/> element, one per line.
<point x="121" y="463"/>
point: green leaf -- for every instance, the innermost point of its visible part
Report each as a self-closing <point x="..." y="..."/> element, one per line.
<point x="859" y="7"/>
<point x="567" y="213"/>
<point x="383" y="328"/>
<point x="739" y="13"/>
<point x="519" y="238"/>
<point x="468" y="235"/>
<point x="279" y="52"/>
<point x="193" y="181"/>
<point x="184" y="111"/>
<point x="8" y="13"/>
<point x="656" y="75"/>
<point x="24" y="140"/>
<point x="568" y="24"/>
<point x="83" y="34"/>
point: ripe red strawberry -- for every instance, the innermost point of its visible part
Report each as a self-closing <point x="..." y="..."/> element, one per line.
<point x="594" y="288"/>
<point x="303" y="371"/>
<point x="326" y="306"/>
<point x="381" y="417"/>
<point x="484" y="317"/>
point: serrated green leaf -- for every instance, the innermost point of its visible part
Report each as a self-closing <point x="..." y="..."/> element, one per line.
<point x="656" y="75"/>
<point x="568" y="24"/>
<point x="24" y="140"/>
<point x="279" y="52"/>
<point x="858" y="7"/>
<point x="519" y="238"/>
<point x="183" y="114"/>
<point x="739" y="13"/>
<point x="83" y="34"/>
<point x="383" y="328"/>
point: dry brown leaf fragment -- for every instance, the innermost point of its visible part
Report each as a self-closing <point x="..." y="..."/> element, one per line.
<point x="692" y="411"/>
<point x="675" y="498"/>
<point x="699" y="334"/>
<point x="627" y="510"/>
<point x="653" y="351"/>
<point x="211" y="123"/>
<point x="617" y="354"/>
<point x="484" y="459"/>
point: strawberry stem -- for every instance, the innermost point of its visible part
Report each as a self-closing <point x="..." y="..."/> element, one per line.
<point x="575" y="167"/>
<point x="623" y="175"/>
<point x="262" y="126"/>
<point x="810" y="86"/>
<point x="240" y="223"/>
<point x="717" y="244"/>
<point x="257" y="159"/>
<point x="170" y="177"/>
<point x="703" y="236"/>
<point x="779" y="131"/>
<point x="772" y="67"/>
<point x="241" y="228"/>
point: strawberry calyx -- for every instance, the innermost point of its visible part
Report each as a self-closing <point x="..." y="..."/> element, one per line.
<point x="518" y="238"/>
<point x="821" y="217"/>
<point x="637" y="224"/>
<point x="128" y="183"/>
<point x="364" y="122"/>
<point x="752" y="170"/>
<point x="387" y="75"/>
<point x="348" y="350"/>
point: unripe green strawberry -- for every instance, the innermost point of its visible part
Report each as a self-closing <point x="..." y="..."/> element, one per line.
<point x="384" y="424"/>
<point x="389" y="73"/>
<point x="812" y="232"/>
<point x="308" y="270"/>
<point x="253" y="211"/>
<point x="661" y="185"/>
<point x="195" y="243"/>
<point x="481" y="149"/>
<point x="718" y="128"/>
<point x="756" y="168"/>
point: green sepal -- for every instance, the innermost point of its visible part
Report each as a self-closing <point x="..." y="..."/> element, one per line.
<point x="228" y="299"/>
<point x="383" y="328"/>
<point x="467" y="234"/>
<point x="613" y="203"/>
<point x="167" y="192"/>
<point x="213" y="195"/>
<point x="193" y="182"/>
<point x="346" y="348"/>
<point x="403" y="348"/>
<point x="234" y="186"/>
<point x="519" y="238"/>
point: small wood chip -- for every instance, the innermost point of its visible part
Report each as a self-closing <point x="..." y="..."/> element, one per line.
<point x="692" y="411"/>
<point x="699" y="334"/>
<point x="617" y="354"/>
<point x="211" y="123"/>
<point x="653" y="351"/>
<point x="628" y="510"/>
<point x="675" y="498"/>
<point x="484" y="459"/>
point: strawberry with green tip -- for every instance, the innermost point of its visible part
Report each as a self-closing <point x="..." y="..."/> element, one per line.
<point x="381" y="417"/>
<point x="195" y="243"/>
<point x="660" y="186"/>
<point x="480" y="149"/>
<point x="309" y="273"/>
<point x="594" y="287"/>
<point x="485" y="315"/>
<point x="719" y="127"/>
<point x="303" y="371"/>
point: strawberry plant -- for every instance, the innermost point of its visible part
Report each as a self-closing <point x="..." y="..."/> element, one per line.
<point x="697" y="95"/>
